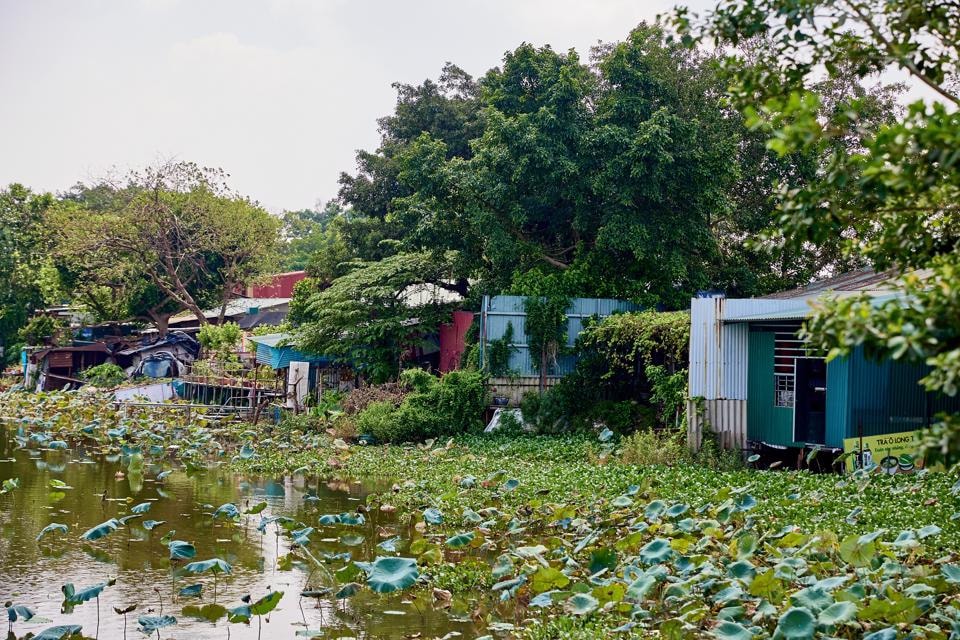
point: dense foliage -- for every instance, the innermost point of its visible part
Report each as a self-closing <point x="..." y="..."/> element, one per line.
<point x="170" y="238"/>
<point x="630" y="373"/>
<point x="893" y="197"/>
<point x="628" y="176"/>
<point x="104" y="375"/>
<point x="23" y="244"/>
<point x="433" y="407"/>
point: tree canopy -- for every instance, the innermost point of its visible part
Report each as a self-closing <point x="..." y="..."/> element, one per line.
<point x="892" y="198"/>
<point x="170" y="238"/>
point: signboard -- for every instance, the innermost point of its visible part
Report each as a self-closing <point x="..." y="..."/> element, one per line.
<point x="892" y="452"/>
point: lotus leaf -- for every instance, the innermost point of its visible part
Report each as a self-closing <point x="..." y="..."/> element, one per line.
<point x="228" y="510"/>
<point x="101" y="530"/>
<point x="141" y="508"/>
<point x="432" y="515"/>
<point x="150" y="525"/>
<point x="656" y="551"/>
<point x="389" y="574"/>
<point x="255" y="509"/>
<point x="216" y="565"/>
<point x="581" y="604"/>
<point x="19" y="612"/>
<point x="180" y="550"/>
<point x="193" y="591"/>
<point x="347" y="591"/>
<point x="59" y="632"/>
<point x="547" y="579"/>
<point x="72" y="596"/>
<point x="460" y="540"/>
<point x="729" y="630"/>
<point x="150" y="624"/>
<point x="266" y="604"/>
<point x="796" y="624"/>
<point x="837" y="613"/>
<point x="51" y="528"/>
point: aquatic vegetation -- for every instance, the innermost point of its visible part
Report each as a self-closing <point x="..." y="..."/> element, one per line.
<point x="535" y="538"/>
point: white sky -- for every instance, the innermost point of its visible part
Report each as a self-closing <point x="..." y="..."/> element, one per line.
<point x="279" y="93"/>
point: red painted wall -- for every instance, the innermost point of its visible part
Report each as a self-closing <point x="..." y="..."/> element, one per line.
<point x="279" y="286"/>
<point x="453" y="339"/>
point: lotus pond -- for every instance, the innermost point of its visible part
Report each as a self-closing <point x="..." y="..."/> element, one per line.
<point x="109" y="524"/>
<point x="530" y="537"/>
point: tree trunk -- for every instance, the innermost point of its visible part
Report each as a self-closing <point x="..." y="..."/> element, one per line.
<point x="543" y="370"/>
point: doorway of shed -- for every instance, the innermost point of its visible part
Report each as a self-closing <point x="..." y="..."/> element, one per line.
<point x="810" y="400"/>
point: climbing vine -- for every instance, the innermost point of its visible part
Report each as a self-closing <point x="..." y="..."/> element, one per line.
<point x="546" y="328"/>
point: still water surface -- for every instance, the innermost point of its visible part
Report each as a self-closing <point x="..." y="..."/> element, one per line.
<point x="32" y="573"/>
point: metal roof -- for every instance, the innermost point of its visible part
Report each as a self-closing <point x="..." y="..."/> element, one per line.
<point x="235" y="307"/>
<point x="859" y="280"/>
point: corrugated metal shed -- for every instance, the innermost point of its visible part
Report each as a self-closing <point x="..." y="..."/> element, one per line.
<point x="273" y="352"/>
<point x="498" y="312"/>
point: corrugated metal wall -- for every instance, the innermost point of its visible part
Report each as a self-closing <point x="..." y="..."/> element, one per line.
<point x="727" y="418"/>
<point x="765" y="421"/>
<point x="499" y="311"/>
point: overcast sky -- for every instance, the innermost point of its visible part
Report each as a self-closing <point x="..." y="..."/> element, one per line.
<point x="280" y="93"/>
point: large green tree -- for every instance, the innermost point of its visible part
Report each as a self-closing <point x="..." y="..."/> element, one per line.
<point x="23" y="249"/>
<point x="894" y="198"/>
<point x="171" y="238"/>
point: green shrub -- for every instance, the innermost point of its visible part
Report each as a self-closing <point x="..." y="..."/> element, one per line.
<point x="417" y="380"/>
<point x="104" y="375"/>
<point x="378" y="419"/>
<point x="39" y="330"/>
<point x="450" y="405"/>
<point x="510" y="424"/>
<point x="223" y="337"/>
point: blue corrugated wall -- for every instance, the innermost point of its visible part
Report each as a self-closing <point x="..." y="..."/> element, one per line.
<point x="499" y="311"/>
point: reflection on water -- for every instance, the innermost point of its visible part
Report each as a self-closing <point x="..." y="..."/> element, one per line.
<point x="100" y="488"/>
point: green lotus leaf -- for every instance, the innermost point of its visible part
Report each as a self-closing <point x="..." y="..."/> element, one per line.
<point x="180" y="550"/>
<point x="72" y="597"/>
<point x="640" y="587"/>
<point x="19" y="612"/>
<point x="510" y="485"/>
<point x="257" y="508"/>
<point x="228" y="510"/>
<point x="504" y="565"/>
<point x="432" y="515"/>
<point x="837" y="613"/>
<point x="386" y="575"/>
<point x="581" y="604"/>
<point x="216" y="565"/>
<point x="729" y="630"/>
<point x="150" y="525"/>
<point x="796" y="624"/>
<point x="460" y="540"/>
<point x="239" y="614"/>
<point x="101" y="530"/>
<point x="742" y="570"/>
<point x="547" y="579"/>
<point x="193" y="591"/>
<point x="150" y="624"/>
<point x="951" y="572"/>
<point x="141" y="508"/>
<point x="655" y="509"/>
<point x="813" y="598"/>
<point x="656" y="551"/>
<point x="929" y="530"/>
<point x="348" y="591"/>
<point x="51" y="528"/>
<point x="621" y="501"/>
<point x="59" y="632"/>
<point x="601" y="559"/>
<point x="266" y="604"/>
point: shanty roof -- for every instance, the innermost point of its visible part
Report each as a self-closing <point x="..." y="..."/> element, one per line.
<point x="235" y="307"/>
<point x="271" y="339"/>
<point x="860" y="280"/>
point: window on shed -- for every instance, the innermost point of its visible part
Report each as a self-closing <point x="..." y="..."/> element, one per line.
<point x="787" y="347"/>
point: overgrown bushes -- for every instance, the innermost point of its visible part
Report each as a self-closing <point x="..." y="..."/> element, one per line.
<point x="104" y="375"/>
<point x="630" y="375"/>
<point x="421" y="406"/>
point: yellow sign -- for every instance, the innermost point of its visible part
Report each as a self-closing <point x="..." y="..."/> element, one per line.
<point x="892" y="452"/>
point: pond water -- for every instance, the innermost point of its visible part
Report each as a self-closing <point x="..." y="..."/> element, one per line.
<point x="102" y="487"/>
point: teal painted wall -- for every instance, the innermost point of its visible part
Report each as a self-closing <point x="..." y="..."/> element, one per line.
<point x="765" y="422"/>
<point x="838" y="401"/>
